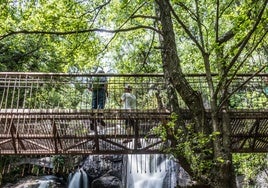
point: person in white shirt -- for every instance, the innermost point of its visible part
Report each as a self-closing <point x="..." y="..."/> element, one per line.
<point x="129" y="102"/>
<point x="128" y="99"/>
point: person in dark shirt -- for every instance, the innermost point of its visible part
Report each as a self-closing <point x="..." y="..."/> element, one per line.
<point x="98" y="87"/>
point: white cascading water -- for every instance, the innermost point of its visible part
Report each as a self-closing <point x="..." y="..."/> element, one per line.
<point x="78" y="180"/>
<point x="151" y="171"/>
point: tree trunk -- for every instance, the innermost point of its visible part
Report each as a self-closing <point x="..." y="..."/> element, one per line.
<point x="175" y="77"/>
<point x="220" y="173"/>
<point x="172" y="68"/>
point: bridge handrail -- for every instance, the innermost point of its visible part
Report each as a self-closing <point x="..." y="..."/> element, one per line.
<point x="33" y="86"/>
<point x="121" y="74"/>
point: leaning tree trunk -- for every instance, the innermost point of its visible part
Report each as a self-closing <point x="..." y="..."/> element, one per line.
<point x="175" y="77"/>
<point x="172" y="68"/>
<point x="193" y="99"/>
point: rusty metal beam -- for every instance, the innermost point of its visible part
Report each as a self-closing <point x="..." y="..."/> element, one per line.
<point x="53" y="141"/>
<point x="38" y="145"/>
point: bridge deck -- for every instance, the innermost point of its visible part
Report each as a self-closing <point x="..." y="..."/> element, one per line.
<point x="69" y="131"/>
<point x="37" y="116"/>
<point x="43" y="132"/>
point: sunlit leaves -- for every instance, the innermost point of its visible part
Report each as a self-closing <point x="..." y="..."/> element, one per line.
<point x="49" y="52"/>
<point x="201" y="20"/>
<point x="249" y="165"/>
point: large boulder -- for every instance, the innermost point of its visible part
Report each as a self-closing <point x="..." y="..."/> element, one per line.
<point x="107" y="181"/>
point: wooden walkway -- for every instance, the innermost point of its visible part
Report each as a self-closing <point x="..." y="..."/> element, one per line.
<point x="47" y="114"/>
<point x="68" y="132"/>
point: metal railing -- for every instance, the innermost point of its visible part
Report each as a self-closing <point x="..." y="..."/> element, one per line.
<point x="70" y="91"/>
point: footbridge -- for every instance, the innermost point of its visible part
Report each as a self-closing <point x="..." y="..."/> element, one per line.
<point x="50" y="114"/>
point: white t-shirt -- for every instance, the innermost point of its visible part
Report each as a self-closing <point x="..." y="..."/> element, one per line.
<point x="129" y="101"/>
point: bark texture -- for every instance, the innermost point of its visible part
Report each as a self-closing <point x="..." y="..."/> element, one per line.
<point x="221" y="172"/>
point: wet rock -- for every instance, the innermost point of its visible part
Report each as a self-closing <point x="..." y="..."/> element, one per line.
<point x="107" y="181"/>
<point x="96" y="166"/>
<point x="37" y="182"/>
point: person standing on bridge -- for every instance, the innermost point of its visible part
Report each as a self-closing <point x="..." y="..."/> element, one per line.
<point x="98" y="87"/>
<point x="129" y="103"/>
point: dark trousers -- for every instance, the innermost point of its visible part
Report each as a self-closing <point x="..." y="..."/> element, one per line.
<point x="98" y="99"/>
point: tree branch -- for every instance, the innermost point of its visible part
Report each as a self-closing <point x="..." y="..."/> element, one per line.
<point x="225" y="37"/>
<point x="124" y="23"/>
<point x="199" y="24"/>
<point x="191" y="13"/>
<point x="238" y="68"/>
<point x="246" y="39"/>
<point x="27" y="32"/>
<point x="228" y="5"/>
<point x="217" y="20"/>
<point x="145" y="16"/>
<point x="243" y="44"/>
<point x="188" y="32"/>
<point x="249" y="53"/>
<point x="240" y="86"/>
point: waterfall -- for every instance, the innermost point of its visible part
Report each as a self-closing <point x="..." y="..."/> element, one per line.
<point x="78" y="180"/>
<point x="151" y="171"/>
<point x="138" y="171"/>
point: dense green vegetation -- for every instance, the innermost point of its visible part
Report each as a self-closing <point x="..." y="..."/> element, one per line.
<point x="175" y="37"/>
